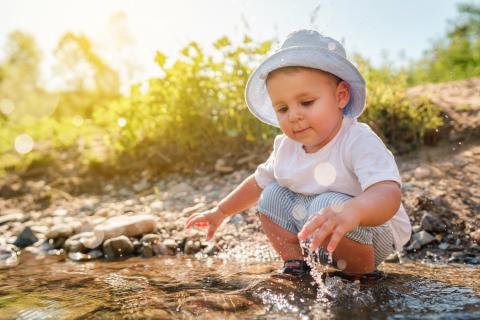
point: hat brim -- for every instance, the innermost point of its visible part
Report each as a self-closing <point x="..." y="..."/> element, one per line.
<point x="256" y="94"/>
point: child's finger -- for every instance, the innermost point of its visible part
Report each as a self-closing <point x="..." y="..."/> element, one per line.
<point x="195" y="220"/>
<point x="337" y="235"/>
<point x="313" y="224"/>
<point x="321" y="234"/>
<point x="211" y="231"/>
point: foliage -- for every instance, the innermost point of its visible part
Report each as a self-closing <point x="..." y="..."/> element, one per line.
<point x="454" y="57"/>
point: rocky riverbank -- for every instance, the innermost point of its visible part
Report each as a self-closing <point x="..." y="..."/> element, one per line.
<point x="440" y="192"/>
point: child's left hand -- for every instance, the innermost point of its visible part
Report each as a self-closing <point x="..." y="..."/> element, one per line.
<point x="329" y="222"/>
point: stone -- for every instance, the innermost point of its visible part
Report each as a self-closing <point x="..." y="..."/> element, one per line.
<point x="420" y="239"/>
<point x="192" y="247"/>
<point x="147" y="251"/>
<point x="393" y="258"/>
<point x="12" y="217"/>
<point x="421" y="173"/>
<point x="8" y="257"/>
<point x="432" y="223"/>
<point x="443" y="246"/>
<point x="25" y="238"/>
<point x="150" y="238"/>
<point x="130" y="226"/>
<point x="60" y="231"/>
<point x="167" y="248"/>
<point x="83" y="242"/>
<point x="117" y="247"/>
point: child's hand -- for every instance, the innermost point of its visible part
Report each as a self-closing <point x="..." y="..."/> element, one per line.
<point x="329" y="222"/>
<point x="212" y="219"/>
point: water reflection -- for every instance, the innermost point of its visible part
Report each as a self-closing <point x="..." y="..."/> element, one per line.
<point x="181" y="287"/>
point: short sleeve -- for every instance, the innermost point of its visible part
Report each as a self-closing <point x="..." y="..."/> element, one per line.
<point x="372" y="162"/>
<point x="264" y="174"/>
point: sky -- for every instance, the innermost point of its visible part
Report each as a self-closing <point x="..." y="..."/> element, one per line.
<point x="368" y="27"/>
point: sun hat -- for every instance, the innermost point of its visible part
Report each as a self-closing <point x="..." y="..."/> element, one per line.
<point x="305" y="48"/>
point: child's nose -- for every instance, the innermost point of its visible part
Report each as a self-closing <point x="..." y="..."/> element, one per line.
<point x="295" y="114"/>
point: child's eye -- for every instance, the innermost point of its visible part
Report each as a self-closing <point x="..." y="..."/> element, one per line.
<point x="282" y="110"/>
<point x="307" y="103"/>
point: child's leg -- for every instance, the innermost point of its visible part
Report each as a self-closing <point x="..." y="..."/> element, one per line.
<point x="283" y="241"/>
<point x="363" y="248"/>
<point x="275" y="210"/>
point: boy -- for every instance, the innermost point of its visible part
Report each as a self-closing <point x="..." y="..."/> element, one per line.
<point x="329" y="178"/>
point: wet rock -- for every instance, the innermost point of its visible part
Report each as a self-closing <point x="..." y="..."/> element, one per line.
<point x="432" y="223"/>
<point x="25" y="238"/>
<point x="147" y="251"/>
<point x="393" y="258"/>
<point x="13" y="217"/>
<point x="8" y="257"/>
<point x="443" y="246"/>
<point x="60" y="231"/>
<point x="83" y="242"/>
<point x="192" y="247"/>
<point x="117" y="247"/>
<point x="151" y="238"/>
<point x="78" y="256"/>
<point x="420" y="239"/>
<point x="129" y="226"/>
<point x="167" y="248"/>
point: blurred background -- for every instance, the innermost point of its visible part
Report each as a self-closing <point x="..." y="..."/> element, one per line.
<point x="128" y="88"/>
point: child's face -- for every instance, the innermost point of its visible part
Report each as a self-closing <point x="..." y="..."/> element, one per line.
<point x="308" y="104"/>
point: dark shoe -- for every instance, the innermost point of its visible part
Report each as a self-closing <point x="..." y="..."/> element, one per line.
<point x="295" y="267"/>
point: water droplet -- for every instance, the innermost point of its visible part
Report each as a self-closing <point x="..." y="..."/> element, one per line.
<point x="77" y="121"/>
<point x="332" y="46"/>
<point x="299" y="212"/>
<point x="436" y="130"/>
<point x="122" y="122"/>
<point x="325" y="174"/>
<point x="6" y="106"/>
<point x="24" y="144"/>
<point x="460" y="142"/>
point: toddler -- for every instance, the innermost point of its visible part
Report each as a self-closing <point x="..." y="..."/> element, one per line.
<point x="329" y="178"/>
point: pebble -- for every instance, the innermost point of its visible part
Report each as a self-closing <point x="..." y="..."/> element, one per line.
<point x="25" y="238"/>
<point x="421" y="173"/>
<point x="117" y="247"/>
<point x="420" y="239"/>
<point x="150" y="238"/>
<point x="8" y="257"/>
<point x="432" y="223"/>
<point x="192" y="247"/>
<point x="129" y="226"/>
<point x="13" y="217"/>
<point x="167" y="247"/>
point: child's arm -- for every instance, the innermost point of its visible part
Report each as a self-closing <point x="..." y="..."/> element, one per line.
<point x="375" y="206"/>
<point x="243" y="197"/>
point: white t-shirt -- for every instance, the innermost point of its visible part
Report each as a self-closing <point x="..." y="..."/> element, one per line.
<point x="352" y="161"/>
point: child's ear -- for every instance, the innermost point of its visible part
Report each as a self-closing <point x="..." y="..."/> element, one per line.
<point x="343" y="94"/>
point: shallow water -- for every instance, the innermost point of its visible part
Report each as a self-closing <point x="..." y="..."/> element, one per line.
<point x="186" y="287"/>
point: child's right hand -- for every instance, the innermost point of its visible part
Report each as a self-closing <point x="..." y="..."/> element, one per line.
<point x="212" y="219"/>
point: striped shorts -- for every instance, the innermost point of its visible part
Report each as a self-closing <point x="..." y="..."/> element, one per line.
<point x="292" y="210"/>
